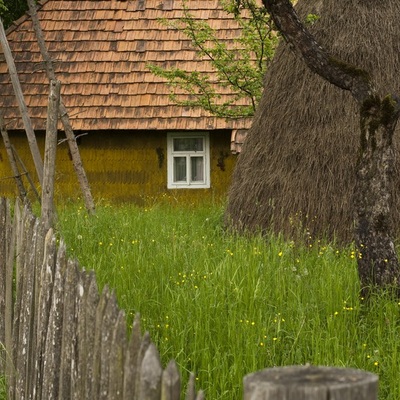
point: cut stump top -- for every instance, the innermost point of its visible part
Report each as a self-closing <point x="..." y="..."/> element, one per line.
<point x="319" y="382"/>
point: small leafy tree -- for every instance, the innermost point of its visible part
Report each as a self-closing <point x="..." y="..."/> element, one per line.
<point x="11" y="10"/>
<point x="3" y="9"/>
<point x="239" y="67"/>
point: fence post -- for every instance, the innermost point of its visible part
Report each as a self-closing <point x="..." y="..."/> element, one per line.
<point x="311" y="383"/>
<point x="150" y="375"/>
<point x="171" y="382"/>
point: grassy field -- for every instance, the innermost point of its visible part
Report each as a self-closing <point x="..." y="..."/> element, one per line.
<point x="224" y="306"/>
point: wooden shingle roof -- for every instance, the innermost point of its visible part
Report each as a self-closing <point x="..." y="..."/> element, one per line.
<point x="101" y="49"/>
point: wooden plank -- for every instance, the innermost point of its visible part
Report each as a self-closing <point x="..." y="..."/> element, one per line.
<point x="171" y="382"/>
<point x="9" y="292"/>
<point x="38" y="258"/>
<point x="117" y="358"/>
<point x="4" y="221"/>
<point x="25" y="309"/>
<point x="87" y="348"/>
<point x="52" y="355"/>
<point x="68" y="356"/>
<point x="311" y="383"/>
<point x="32" y="271"/>
<point x="200" y="395"/>
<point x="150" y="375"/>
<point x="18" y="244"/>
<point x="19" y="232"/>
<point x="96" y="369"/>
<point x="191" y="388"/>
<point x="78" y="387"/>
<point x="131" y="368"/>
<point x="44" y="288"/>
<point x="108" y="323"/>
<point x="144" y="345"/>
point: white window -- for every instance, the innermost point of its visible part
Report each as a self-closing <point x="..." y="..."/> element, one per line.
<point x="188" y="160"/>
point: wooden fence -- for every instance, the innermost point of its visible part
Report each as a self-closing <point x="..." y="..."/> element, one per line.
<point x="60" y="338"/>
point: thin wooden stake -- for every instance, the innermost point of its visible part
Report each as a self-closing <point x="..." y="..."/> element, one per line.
<point x="9" y="292"/>
<point x="11" y="159"/>
<point x="25" y="172"/>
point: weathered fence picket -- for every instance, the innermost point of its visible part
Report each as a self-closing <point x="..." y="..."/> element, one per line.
<point x="61" y="339"/>
<point x="170" y="383"/>
<point x="3" y="268"/>
<point x="44" y="293"/>
<point x="131" y="361"/>
<point x="150" y="374"/>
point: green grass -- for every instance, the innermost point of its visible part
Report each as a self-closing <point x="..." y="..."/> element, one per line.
<point x="224" y="306"/>
<point x="3" y="388"/>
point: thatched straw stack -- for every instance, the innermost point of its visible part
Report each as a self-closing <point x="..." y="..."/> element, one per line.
<point x="297" y="167"/>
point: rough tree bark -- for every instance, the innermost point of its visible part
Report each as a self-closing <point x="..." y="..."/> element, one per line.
<point x="378" y="265"/>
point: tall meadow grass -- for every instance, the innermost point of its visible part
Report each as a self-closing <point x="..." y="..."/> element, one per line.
<point x="224" y="305"/>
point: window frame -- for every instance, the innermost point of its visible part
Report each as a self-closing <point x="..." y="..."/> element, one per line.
<point x="171" y="154"/>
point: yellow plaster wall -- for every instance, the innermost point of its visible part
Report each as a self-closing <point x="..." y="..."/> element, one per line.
<point x="124" y="166"/>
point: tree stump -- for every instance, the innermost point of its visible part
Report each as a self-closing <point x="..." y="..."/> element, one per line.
<point x="311" y="383"/>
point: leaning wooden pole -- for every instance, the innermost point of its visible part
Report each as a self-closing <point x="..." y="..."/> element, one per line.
<point x="69" y="133"/>
<point x="11" y="159"/>
<point x="37" y="159"/>
<point x="50" y="156"/>
<point x="25" y="172"/>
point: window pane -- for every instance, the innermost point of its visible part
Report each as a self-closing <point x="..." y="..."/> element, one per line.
<point x="180" y="169"/>
<point x="197" y="169"/>
<point x="188" y="144"/>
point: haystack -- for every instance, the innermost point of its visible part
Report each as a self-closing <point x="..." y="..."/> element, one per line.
<point x="296" y="171"/>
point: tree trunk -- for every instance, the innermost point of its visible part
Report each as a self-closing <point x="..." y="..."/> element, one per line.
<point x="378" y="264"/>
<point x="377" y="259"/>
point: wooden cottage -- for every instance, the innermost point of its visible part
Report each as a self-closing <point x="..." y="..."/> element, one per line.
<point x="134" y="141"/>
